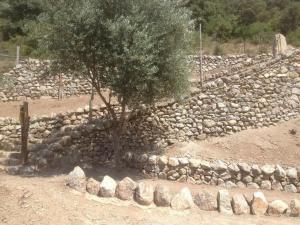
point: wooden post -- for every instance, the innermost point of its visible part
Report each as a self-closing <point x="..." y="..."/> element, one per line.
<point x="18" y="56"/>
<point x="60" y="87"/>
<point x="24" y="121"/>
<point x="91" y="105"/>
<point x="201" y="56"/>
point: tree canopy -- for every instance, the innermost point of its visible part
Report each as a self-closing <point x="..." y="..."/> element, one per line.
<point x="134" y="49"/>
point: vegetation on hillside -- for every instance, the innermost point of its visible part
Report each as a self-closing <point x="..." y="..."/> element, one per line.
<point x="252" y="21"/>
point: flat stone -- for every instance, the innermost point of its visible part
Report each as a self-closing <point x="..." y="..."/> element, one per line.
<point x="268" y="169"/>
<point x="240" y="205"/>
<point x="93" y="186"/>
<point x="259" y="204"/>
<point x="77" y="180"/>
<point x="183" y="200"/>
<point x="162" y="196"/>
<point x="144" y="194"/>
<point x="277" y="208"/>
<point x="224" y="202"/>
<point x="295" y="208"/>
<point x="206" y="201"/>
<point x="108" y="187"/>
<point x="125" y="189"/>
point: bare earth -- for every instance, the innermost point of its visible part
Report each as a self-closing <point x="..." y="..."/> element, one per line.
<point x="46" y="200"/>
<point x="274" y="145"/>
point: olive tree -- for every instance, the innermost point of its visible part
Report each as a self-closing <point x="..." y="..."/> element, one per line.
<point x="134" y="49"/>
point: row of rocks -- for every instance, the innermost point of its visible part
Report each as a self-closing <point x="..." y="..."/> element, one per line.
<point x="225" y="174"/>
<point x="145" y="194"/>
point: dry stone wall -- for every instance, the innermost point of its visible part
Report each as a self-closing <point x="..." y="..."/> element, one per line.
<point x="262" y="96"/>
<point x="29" y="81"/>
<point x="225" y="174"/>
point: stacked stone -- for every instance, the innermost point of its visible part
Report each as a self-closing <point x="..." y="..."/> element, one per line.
<point x="229" y="175"/>
<point x="145" y="194"/>
<point x="29" y="80"/>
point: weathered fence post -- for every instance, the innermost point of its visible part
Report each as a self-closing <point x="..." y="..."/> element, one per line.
<point x="18" y="56"/>
<point x="60" y="87"/>
<point x="24" y="121"/>
<point x="201" y="55"/>
<point x="91" y="105"/>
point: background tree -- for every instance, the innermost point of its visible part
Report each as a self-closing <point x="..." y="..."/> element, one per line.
<point x="134" y="49"/>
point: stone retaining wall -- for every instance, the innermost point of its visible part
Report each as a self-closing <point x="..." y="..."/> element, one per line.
<point x="225" y="174"/>
<point x="261" y="97"/>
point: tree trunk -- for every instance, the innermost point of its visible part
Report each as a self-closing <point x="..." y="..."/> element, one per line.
<point x="117" y="144"/>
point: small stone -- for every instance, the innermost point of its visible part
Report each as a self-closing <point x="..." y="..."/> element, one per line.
<point x="183" y="161"/>
<point x="279" y="173"/>
<point x="163" y="160"/>
<point x="245" y="168"/>
<point x="240" y="205"/>
<point x="276" y="185"/>
<point x="224" y="202"/>
<point x="108" y="187"/>
<point x="290" y="188"/>
<point x="195" y="163"/>
<point x="219" y="166"/>
<point x="173" y="162"/>
<point x="277" y="208"/>
<point x="295" y="208"/>
<point x="209" y="123"/>
<point x="125" y="189"/>
<point x="255" y="170"/>
<point x="152" y="160"/>
<point x="93" y="186"/>
<point x="144" y="194"/>
<point x="259" y="204"/>
<point x="77" y="180"/>
<point x="268" y="170"/>
<point x="183" y="200"/>
<point x="266" y="185"/>
<point x="206" y="201"/>
<point x="233" y="168"/>
<point x="162" y="196"/>
<point x="292" y="173"/>
<point x="230" y="185"/>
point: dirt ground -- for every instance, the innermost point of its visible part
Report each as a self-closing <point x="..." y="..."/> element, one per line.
<point x="45" y="200"/>
<point x="273" y="145"/>
<point x="46" y="106"/>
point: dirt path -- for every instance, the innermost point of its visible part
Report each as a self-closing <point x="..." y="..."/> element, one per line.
<point x="274" y="145"/>
<point x="46" y="106"/>
<point x="46" y="201"/>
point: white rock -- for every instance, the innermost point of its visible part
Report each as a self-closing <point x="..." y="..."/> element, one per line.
<point x="108" y="187"/>
<point x="183" y="200"/>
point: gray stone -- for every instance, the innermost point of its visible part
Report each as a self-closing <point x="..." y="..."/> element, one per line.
<point x="209" y="123"/>
<point x="224" y="202"/>
<point x="125" y="189"/>
<point x="245" y="168"/>
<point x="206" y="201"/>
<point x="219" y="166"/>
<point x="93" y="186"/>
<point x="173" y="162"/>
<point x="259" y="204"/>
<point x="183" y="200"/>
<point x="240" y="205"/>
<point x="233" y="168"/>
<point x="292" y="173"/>
<point x="252" y="185"/>
<point x="279" y="173"/>
<point x="268" y="170"/>
<point x="266" y="185"/>
<point x="144" y="194"/>
<point x="77" y="180"/>
<point x="277" y="208"/>
<point x="290" y="188"/>
<point x="108" y="187"/>
<point x="162" y="196"/>
<point x="295" y="208"/>
<point x="195" y="163"/>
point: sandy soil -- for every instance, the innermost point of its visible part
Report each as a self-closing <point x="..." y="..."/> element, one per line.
<point x="46" y="106"/>
<point x="275" y="145"/>
<point x="45" y="200"/>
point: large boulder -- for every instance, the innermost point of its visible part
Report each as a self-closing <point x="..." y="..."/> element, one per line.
<point x="259" y="204"/>
<point x="277" y="208"/>
<point x="295" y="208"/>
<point x="108" y="187"/>
<point x="224" y="202"/>
<point x="125" y="189"/>
<point x="240" y="205"/>
<point x="206" y="201"/>
<point x="183" y="200"/>
<point x="77" y="180"/>
<point x="93" y="186"/>
<point x="144" y="193"/>
<point x="162" y="196"/>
